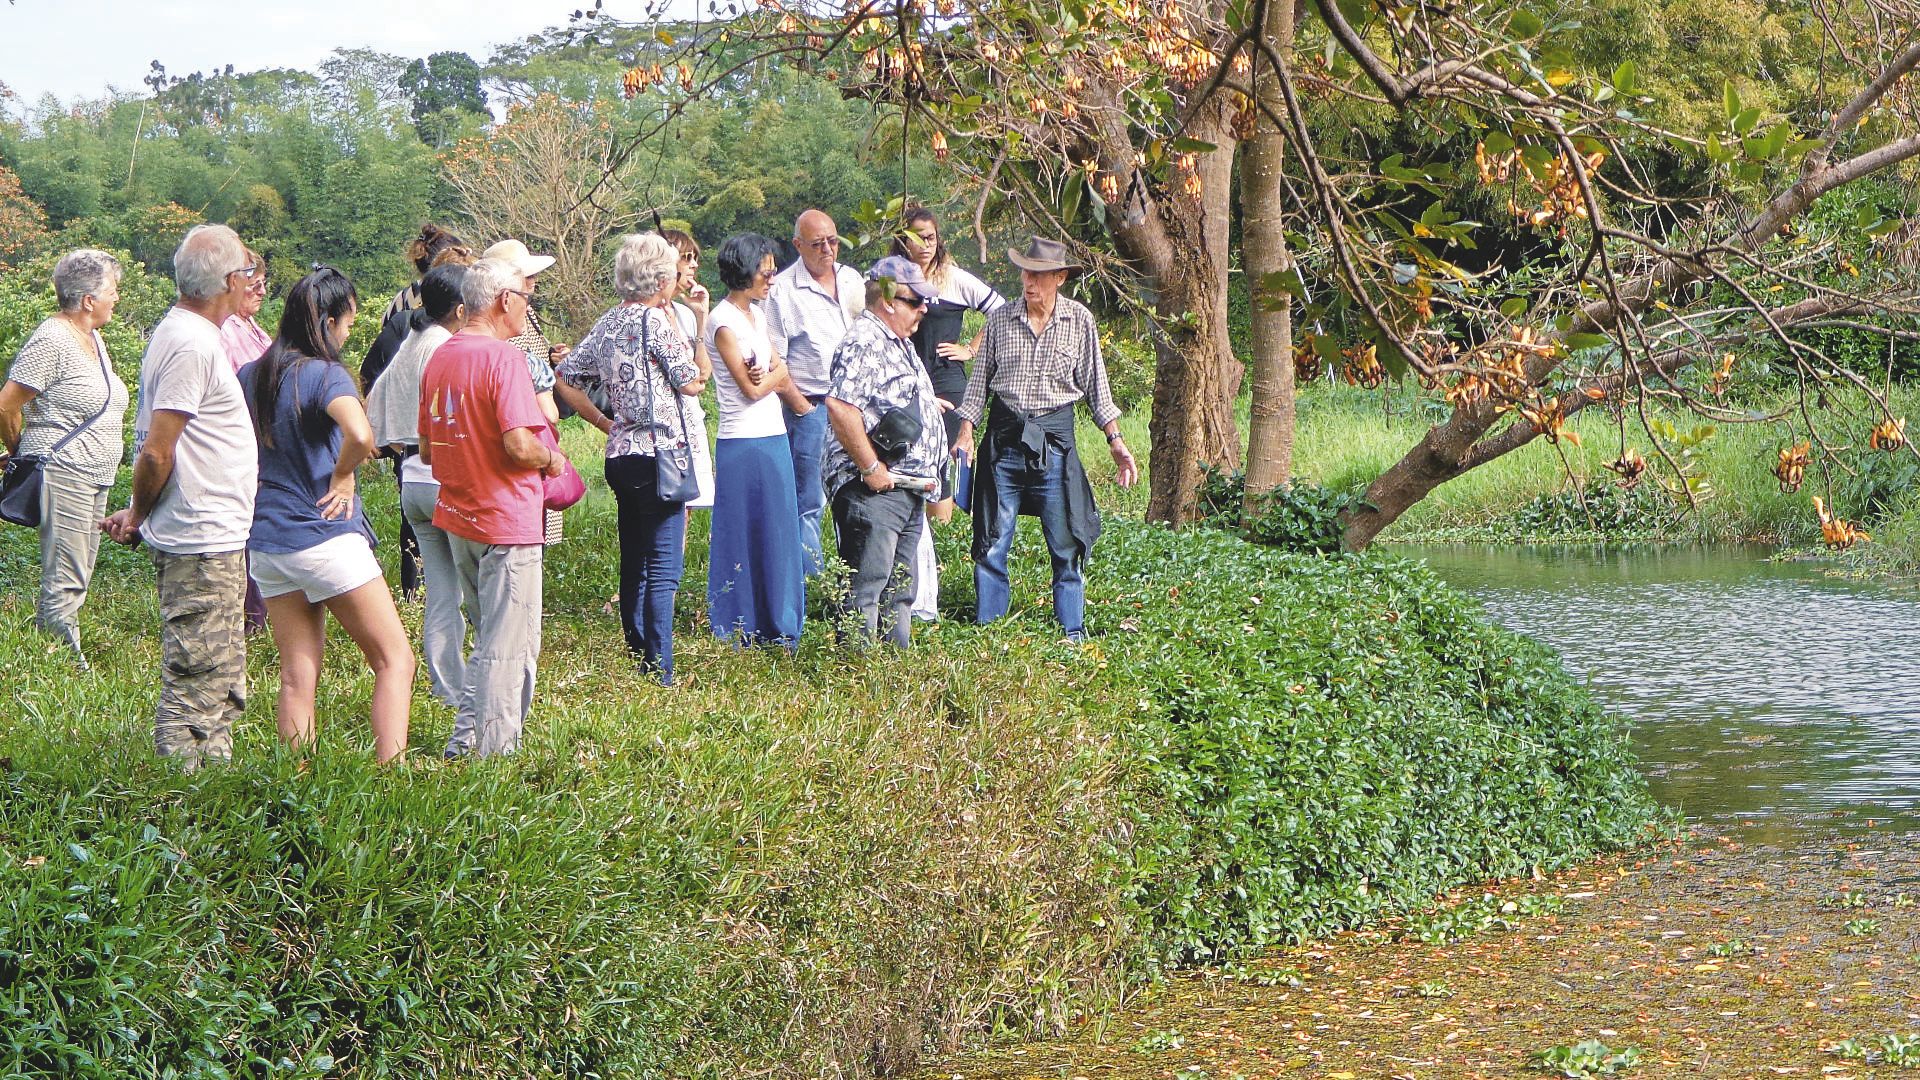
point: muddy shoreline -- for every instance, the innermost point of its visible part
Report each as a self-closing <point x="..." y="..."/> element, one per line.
<point x="1708" y="955"/>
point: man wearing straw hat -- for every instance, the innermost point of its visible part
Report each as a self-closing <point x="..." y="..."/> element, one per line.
<point x="1038" y="359"/>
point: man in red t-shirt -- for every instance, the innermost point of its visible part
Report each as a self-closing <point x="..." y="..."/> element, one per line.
<point x="480" y="431"/>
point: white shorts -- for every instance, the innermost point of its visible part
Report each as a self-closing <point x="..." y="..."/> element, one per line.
<point x="325" y="570"/>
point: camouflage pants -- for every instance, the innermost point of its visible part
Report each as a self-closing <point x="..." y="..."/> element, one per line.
<point x="203" y="655"/>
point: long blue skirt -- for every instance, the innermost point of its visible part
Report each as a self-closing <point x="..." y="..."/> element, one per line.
<point x="756" y="588"/>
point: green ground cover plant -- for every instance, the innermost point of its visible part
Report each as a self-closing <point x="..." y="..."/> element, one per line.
<point x="823" y="864"/>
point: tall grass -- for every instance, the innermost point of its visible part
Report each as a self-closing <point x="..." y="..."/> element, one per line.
<point x="1347" y="437"/>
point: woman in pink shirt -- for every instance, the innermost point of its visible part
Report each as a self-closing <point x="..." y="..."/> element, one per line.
<point x="242" y="339"/>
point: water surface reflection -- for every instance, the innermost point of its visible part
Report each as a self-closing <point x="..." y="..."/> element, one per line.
<point x="1759" y="691"/>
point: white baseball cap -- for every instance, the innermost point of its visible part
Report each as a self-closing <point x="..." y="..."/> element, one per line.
<point x="515" y="252"/>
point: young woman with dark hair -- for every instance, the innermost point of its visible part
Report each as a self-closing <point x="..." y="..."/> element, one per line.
<point x="311" y="550"/>
<point x="756" y="586"/>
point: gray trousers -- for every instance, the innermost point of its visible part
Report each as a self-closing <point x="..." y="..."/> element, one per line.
<point x="500" y="584"/>
<point x="443" y="629"/>
<point x="878" y="533"/>
<point x="71" y="507"/>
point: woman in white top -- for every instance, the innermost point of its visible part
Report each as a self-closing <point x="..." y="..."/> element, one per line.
<point x="756" y="587"/>
<point x="393" y="406"/>
<point x="62" y="401"/>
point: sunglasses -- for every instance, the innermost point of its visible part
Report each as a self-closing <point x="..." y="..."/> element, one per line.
<point x="911" y="297"/>
<point x="825" y="243"/>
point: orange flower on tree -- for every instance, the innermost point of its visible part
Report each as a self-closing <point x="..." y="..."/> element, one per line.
<point x="1889" y="435"/>
<point x="1839" y="533"/>
<point x="1792" y="467"/>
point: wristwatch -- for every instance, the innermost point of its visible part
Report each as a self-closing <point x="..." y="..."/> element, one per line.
<point x="871" y="469"/>
<point x="1113" y="438"/>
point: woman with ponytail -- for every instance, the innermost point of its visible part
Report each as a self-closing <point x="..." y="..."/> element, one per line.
<point x="311" y="550"/>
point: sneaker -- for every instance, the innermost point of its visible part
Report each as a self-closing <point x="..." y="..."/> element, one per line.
<point x="1076" y="637"/>
<point x="455" y="753"/>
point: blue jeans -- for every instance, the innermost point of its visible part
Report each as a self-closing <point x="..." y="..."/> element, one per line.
<point x="651" y="560"/>
<point x="807" y="440"/>
<point x="1012" y="482"/>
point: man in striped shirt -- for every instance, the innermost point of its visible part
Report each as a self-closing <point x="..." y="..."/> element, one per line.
<point x="1039" y="358"/>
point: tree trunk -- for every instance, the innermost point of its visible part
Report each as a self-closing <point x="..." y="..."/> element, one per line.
<point x="1264" y="251"/>
<point x="1196" y="375"/>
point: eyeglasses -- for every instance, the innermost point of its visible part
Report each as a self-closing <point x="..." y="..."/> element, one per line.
<point x="825" y="243"/>
<point x="248" y="271"/>
<point x="524" y="295"/>
<point x="911" y="297"/>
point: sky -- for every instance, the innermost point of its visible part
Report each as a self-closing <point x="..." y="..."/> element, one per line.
<point x="77" y="48"/>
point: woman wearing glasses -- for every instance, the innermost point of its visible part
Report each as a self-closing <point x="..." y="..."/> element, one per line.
<point x="756" y="586"/>
<point x="311" y="550"/>
<point x="242" y="339"/>
<point x="63" y="401"/>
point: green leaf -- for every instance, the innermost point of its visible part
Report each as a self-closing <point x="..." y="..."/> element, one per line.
<point x="1184" y="145"/>
<point x="1626" y="77"/>
<point x="1286" y="282"/>
<point x="1513" y="306"/>
<point x="1800" y="148"/>
<point x="1732" y="100"/>
<point x="1583" y="341"/>
<point x="1499" y="142"/>
<point x="1882" y="228"/>
<point x="1776" y="140"/>
<point x="1746" y="121"/>
<point x="1525" y="24"/>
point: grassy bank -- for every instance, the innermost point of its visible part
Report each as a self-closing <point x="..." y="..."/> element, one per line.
<point x="1346" y="437"/>
<point x="817" y="865"/>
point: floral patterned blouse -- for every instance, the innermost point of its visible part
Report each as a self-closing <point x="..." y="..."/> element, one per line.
<point x="645" y="405"/>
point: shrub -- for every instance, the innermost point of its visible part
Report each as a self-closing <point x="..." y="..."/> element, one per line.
<point x="1378" y="741"/>
<point x="1595" y="508"/>
<point x="1297" y="516"/>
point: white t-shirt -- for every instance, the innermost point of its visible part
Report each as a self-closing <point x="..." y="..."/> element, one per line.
<point x="207" y="505"/>
<point x="965" y="288"/>
<point x="741" y="418"/>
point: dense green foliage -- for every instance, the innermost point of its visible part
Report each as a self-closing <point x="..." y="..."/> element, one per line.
<point x="824" y="864"/>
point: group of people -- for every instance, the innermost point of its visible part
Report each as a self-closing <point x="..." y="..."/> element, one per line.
<point x="840" y="392"/>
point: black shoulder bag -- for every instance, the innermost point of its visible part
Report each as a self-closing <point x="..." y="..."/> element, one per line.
<point x="674" y="480"/>
<point x="25" y="476"/>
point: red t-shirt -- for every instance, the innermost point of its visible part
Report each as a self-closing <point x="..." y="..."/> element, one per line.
<point x="474" y="390"/>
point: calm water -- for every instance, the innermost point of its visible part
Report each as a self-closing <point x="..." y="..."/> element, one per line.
<point x="1761" y="693"/>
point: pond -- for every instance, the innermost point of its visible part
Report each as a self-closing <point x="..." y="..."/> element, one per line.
<point x="1765" y="694"/>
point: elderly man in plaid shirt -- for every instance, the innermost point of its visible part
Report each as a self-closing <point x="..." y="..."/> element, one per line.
<point x="1039" y="359"/>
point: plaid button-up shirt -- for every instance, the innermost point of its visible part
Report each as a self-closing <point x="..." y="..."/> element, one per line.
<point x="1036" y="373"/>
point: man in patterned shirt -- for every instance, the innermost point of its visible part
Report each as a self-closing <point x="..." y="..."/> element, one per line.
<point x="888" y="447"/>
<point x="1039" y="358"/>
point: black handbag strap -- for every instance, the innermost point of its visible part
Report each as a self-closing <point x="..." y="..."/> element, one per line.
<point x="647" y="359"/>
<point x="106" y="402"/>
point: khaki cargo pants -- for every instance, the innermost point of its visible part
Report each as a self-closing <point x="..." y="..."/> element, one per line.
<point x="203" y="655"/>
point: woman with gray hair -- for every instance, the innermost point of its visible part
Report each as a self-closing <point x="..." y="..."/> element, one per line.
<point x="647" y="367"/>
<point x="63" y="402"/>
